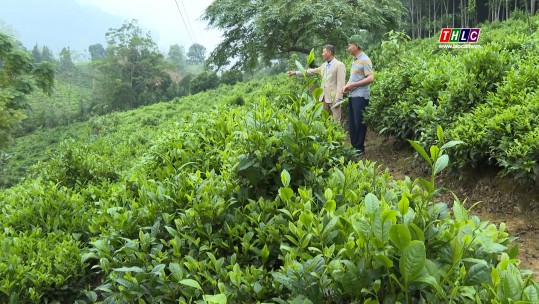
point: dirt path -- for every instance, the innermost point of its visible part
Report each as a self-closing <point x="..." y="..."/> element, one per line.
<point x="503" y="199"/>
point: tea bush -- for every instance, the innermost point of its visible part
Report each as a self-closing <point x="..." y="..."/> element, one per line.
<point x="476" y="94"/>
<point x="40" y="267"/>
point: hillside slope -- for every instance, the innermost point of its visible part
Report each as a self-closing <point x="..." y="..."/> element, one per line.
<point x="125" y="134"/>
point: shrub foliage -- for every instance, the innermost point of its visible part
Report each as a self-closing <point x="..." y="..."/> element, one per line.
<point x="485" y="97"/>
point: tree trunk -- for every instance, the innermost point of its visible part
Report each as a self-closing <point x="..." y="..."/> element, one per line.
<point x="461" y="14"/>
<point x="435" y="25"/>
<point x="446" y="12"/>
<point x="419" y="22"/>
<point x="465" y="10"/>
<point x="453" y="13"/>
<point x="491" y="9"/>
<point x="429" y="21"/>
<point x="412" y="14"/>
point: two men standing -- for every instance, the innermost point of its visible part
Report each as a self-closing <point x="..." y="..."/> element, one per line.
<point x="358" y="88"/>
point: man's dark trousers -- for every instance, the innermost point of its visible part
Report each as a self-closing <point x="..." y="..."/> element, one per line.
<point x="356" y="126"/>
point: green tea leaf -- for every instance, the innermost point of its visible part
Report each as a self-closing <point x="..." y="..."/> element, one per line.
<point x="215" y="299"/>
<point x="286" y="194"/>
<point x="317" y="93"/>
<point x="330" y="206"/>
<point x="440" y="133"/>
<point x="306" y="218"/>
<point x="403" y="205"/>
<point x="87" y="256"/>
<point x="477" y="274"/>
<point x="372" y="204"/>
<point x="417" y="233"/>
<point x="421" y="151"/>
<point x="400" y="236"/>
<point x="328" y="194"/>
<point x="258" y="289"/>
<point x="429" y="187"/>
<point x="311" y="57"/>
<point x="339" y="175"/>
<point x="452" y="144"/>
<point x="384" y="260"/>
<point x="387" y="219"/>
<point x="510" y="287"/>
<point x="175" y="270"/>
<point x="300" y="67"/>
<point x="434" y="152"/>
<point x="513" y="252"/>
<point x="246" y="162"/>
<point x="412" y="261"/>
<point x="459" y="211"/>
<point x="129" y="269"/>
<point x="531" y="294"/>
<point x="285" y="178"/>
<point x="362" y="228"/>
<point x="430" y="280"/>
<point x="190" y="283"/>
<point x="495" y="277"/>
<point x="441" y="163"/>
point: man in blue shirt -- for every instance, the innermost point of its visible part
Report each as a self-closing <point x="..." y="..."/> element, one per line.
<point x="358" y="87"/>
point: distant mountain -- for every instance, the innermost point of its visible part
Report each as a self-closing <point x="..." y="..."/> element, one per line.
<point x="57" y="23"/>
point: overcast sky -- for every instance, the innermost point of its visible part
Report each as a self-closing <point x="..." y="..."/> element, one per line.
<point x="163" y="18"/>
<point x="80" y="23"/>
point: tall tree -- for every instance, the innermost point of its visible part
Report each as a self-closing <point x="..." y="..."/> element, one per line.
<point x="46" y="54"/>
<point x="36" y="53"/>
<point x="196" y="54"/>
<point x="19" y="76"/>
<point x="97" y="52"/>
<point x="262" y="30"/>
<point x="66" y="65"/>
<point x="176" y="56"/>
<point x="133" y="71"/>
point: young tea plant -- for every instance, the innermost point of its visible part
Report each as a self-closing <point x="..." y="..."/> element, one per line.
<point x="437" y="160"/>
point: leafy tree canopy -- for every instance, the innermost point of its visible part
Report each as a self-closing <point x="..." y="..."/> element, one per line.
<point x="204" y="81"/>
<point x="176" y="56"/>
<point x="263" y="30"/>
<point x="47" y="54"/>
<point x="132" y="72"/>
<point x="97" y="52"/>
<point x="196" y="53"/>
<point x="36" y="53"/>
<point x="231" y="77"/>
<point x="65" y="64"/>
<point x="19" y="76"/>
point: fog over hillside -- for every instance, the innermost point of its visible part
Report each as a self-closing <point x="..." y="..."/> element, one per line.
<point x="57" y="23"/>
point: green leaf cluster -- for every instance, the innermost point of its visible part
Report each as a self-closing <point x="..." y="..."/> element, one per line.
<point x="19" y="76"/>
<point x="258" y="32"/>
